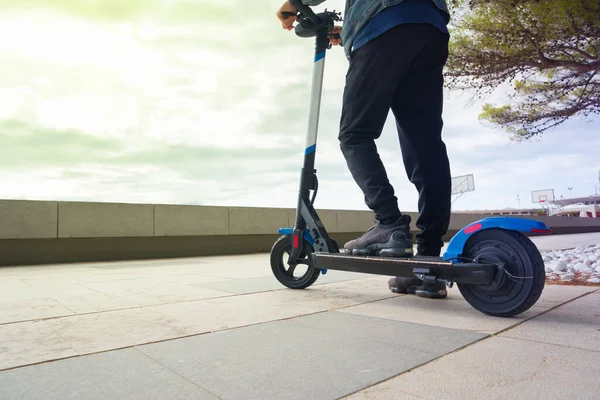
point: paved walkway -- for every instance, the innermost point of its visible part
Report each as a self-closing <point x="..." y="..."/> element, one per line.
<point x="223" y="327"/>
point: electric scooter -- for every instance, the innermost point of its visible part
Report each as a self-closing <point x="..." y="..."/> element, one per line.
<point x="496" y="267"/>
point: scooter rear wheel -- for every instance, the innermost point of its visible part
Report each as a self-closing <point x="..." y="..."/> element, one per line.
<point x="284" y="273"/>
<point x="519" y="286"/>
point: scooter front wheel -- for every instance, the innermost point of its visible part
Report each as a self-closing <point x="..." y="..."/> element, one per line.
<point x="286" y="274"/>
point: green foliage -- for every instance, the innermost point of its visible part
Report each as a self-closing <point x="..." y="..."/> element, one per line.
<point x="548" y="50"/>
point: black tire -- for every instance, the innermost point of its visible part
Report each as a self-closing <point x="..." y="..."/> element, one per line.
<point x="508" y="296"/>
<point x="283" y="247"/>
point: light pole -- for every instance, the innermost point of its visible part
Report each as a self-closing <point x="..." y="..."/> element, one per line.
<point x="570" y="191"/>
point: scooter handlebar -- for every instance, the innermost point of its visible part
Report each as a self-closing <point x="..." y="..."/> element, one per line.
<point x="305" y="10"/>
<point x="309" y="22"/>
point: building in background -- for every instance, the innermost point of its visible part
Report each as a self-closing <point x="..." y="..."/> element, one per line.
<point x="588" y="206"/>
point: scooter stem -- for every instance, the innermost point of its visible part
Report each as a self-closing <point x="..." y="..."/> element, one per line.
<point x="318" y="26"/>
<point x="315" y="95"/>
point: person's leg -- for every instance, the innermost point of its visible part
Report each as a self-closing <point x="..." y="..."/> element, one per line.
<point x="373" y="76"/>
<point x="418" y="108"/>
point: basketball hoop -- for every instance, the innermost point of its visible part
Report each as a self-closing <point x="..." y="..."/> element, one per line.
<point x="461" y="185"/>
<point x="545" y="198"/>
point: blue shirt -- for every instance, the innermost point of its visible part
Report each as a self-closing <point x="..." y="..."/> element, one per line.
<point x="406" y="12"/>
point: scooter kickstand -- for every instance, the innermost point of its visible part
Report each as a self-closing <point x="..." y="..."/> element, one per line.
<point x="423" y="274"/>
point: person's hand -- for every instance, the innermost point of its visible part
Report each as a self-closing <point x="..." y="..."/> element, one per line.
<point x="337" y="30"/>
<point x="287" y="21"/>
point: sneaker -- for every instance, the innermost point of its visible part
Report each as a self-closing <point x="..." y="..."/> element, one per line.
<point x="394" y="240"/>
<point x="432" y="290"/>
<point x="401" y="284"/>
<point x="404" y="285"/>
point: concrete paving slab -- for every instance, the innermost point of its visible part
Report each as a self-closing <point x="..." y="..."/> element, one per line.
<point x="236" y="311"/>
<point x="152" y="269"/>
<point x="397" y="395"/>
<point x="154" y="289"/>
<point x="34" y="275"/>
<point x="499" y="368"/>
<point x="74" y="287"/>
<point x="6" y="271"/>
<point x="92" y="333"/>
<point x="575" y="324"/>
<point x="331" y="357"/>
<point x="166" y="273"/>
<point x="264" y="284"/>
<point x="191" y="279"/>
<point x="162" y="262"/>
<point x="109" y="326"/>
<point x="94" y="296"/>
<point x="57" y="288"/>
<point x="51" y="275"/>
<point x="60" y="282"/>
<point x="15" y="290"/>
<point x="100" y="302"/>
<point x="453" y="312"/>
<point x="25" y="310"/>
<point x="76" y="298"/>
<point x="124" y="374"/>
<point x="236" y="267"/>
<point x="30" y="342"/>
<point x="244" y="286"/>
<point x="371" y="288"/>
<point x="93" y="274"/>
<point x="554" y="295"/>
<point x="436" y="340"/>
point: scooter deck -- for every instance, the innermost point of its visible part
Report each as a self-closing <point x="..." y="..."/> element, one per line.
<point x="431" y="267"/>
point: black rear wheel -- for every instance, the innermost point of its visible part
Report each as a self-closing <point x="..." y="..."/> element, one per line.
<point x="298" y="276"/>
<point x="519" y="286"/>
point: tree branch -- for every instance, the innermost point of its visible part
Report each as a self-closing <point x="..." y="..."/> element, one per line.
<point x="580" y="67"/>
<point x="583" y="53"/>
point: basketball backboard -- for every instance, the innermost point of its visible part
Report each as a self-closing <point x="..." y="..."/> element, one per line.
<point x="463" y="184"/>
<point x="542" y="196"/>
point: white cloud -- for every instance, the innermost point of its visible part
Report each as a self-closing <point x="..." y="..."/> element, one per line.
<point x="196" y="109"/>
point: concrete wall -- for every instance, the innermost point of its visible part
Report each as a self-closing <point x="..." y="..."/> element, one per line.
<point x="39" y="232"/>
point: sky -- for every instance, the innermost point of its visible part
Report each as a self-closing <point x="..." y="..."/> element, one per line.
<point x="203" y="102"/>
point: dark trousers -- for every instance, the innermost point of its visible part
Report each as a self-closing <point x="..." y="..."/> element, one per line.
<point x="401" y="70"/>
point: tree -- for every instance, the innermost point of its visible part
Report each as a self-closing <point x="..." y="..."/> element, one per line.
<point x="548" y="50"/>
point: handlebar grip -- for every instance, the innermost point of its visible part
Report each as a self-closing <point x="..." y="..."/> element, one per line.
<point x="303" y="9"/>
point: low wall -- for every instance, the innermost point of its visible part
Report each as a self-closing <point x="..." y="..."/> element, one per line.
<point x="42" y="232"/>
